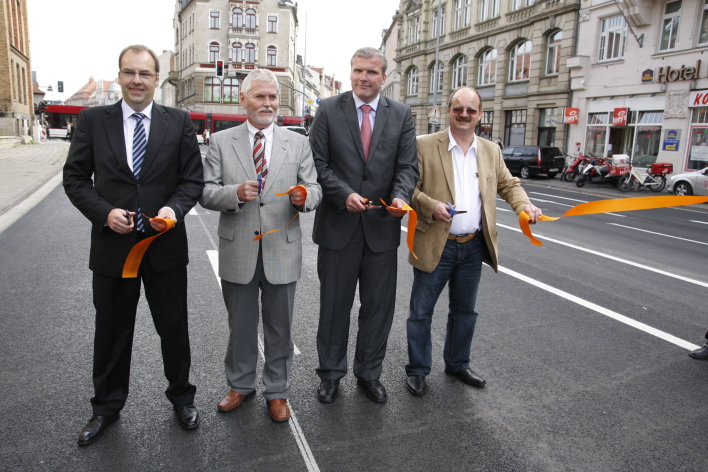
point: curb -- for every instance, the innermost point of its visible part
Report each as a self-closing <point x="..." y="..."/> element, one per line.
<point x="29" y="191"/>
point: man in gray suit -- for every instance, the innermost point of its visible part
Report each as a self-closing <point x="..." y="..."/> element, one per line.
<point x="364" y="150"/>
<point x="244" y="168"/>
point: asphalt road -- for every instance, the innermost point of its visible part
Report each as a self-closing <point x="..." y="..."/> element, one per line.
<point x="571" y="385"/>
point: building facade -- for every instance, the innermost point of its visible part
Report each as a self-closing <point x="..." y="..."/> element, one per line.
<point x="640" y="82"/>
<point x="389" y="44"/>
<point x="245" y="35"/>
<point x="16" y="89"/>
<point x="513" y="52"/>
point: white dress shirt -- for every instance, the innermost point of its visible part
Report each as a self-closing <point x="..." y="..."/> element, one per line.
<point x="268" y="135"/>
<point x="129" y="123"/>
<point x="467" y="196"/>
<point x="374" y="104"/>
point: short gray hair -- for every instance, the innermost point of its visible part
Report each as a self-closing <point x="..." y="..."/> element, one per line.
<point x="370" y="52"/>
<point x="452" y="95"/>
<point x="262" y="75"/>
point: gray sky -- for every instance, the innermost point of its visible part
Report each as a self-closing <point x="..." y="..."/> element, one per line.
<point x="72" y="40"/>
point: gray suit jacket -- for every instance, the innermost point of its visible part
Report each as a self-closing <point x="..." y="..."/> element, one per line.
<point x="229" y="162"/>
<point x="391" y="171"/>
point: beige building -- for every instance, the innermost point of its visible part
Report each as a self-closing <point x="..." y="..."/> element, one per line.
<point x="16" y="100"/>
<point x="389" y="44"/>
<point x="96" y="93"/>
<point x="245" y="35"/>
<point x="514" y="52"/>
<point x="640" y="82"/>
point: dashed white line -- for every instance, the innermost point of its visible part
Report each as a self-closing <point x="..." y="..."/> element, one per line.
<point x="659" y="234"/>
<point x="700" y="222"/>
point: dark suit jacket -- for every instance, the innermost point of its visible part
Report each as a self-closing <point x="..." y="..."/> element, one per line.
<point x="391" y="171"/>
<point x="97" y="179"/>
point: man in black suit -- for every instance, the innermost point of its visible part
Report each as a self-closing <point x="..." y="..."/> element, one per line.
<point x="364" y="150"/>
<point x="126" y="160"/>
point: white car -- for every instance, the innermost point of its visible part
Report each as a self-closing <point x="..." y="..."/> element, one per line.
<point x="689" y="183"/>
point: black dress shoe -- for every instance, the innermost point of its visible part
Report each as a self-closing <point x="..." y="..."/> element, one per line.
<point x="416" y="384"/>
<point x="700" y="353"/>
<point x="468" y="377"/>
<point x="187" y="416"/>
<point x="374" y="390"/>
<point x="328" y="390"/>
<point x="94" y="428"/>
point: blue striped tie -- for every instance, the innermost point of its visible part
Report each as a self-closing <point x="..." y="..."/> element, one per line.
<point x="139" y="146"/>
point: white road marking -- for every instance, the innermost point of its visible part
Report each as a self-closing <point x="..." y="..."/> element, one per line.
<point x="551" y="201"/>
<point x="603" y="311"/>
<point x="23" y="207"/>
<point x="560" y="198"/>
<point x="607" y="256"/>
<point x="300" y="439"/>
<point x="701" y="222"/>
<point x="659" y="234"/>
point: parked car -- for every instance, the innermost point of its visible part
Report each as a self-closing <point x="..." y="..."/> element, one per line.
<point x="298" y="129"/>
<point x="689" y="183"/>
<point x="533" y="160"/>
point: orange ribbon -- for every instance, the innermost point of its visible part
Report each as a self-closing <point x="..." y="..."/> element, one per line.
<point x="412" y="222"/>
<point x="135" y="257"/>
<point x="258" y="238"/>
<point x="615" y="205"/>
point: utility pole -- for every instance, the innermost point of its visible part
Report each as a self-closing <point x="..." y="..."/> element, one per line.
<point x="304" y="73"/>
<point x="436" y="67"/>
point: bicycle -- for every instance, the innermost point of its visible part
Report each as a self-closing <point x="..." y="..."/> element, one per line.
<point x="654" y="179"/>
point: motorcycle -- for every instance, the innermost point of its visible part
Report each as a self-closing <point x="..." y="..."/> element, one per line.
<point x="595" y="173"/>
<point x="574" y="167"/>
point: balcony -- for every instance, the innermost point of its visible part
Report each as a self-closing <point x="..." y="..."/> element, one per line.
<point x="487" y="25"/>
<point x="411" y="49"/>
<point x="521" y="15"/>
<point x="431" y="43"/>
<point x="243" y="31"/>
<point x="459" y="34"/>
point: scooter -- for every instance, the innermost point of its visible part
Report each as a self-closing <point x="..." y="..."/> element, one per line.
<point x="574" y="167"/>
<point x="595" y="174"/>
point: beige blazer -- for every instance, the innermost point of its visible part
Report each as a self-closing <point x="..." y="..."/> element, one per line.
<point x="228" y="163"/>
<point x="437" y="184"/>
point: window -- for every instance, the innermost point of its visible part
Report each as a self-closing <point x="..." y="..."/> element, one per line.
<point x="212" y="89"/>
<point x="613" y="38"/>
<point x="459" y="72"/>
<point x="251" y="18"/>
<point x="237" y="18"/>
<point x="520" y="62"/>
<point x="214" y="49"/>
<point x="670" y="29"/>
<point x="554" y="53"/>
<point x="462" y="13"/>
<point x="484" y="127"/>
<point x="548" y="123"/>
<point x="488" y="9"/>
<point x="487" y="68"/>
<point x="519" y="4"/>
<point x="231" y="89"/>
<point x="214" y="17"/>
<point x="703" y="27"/>
<point x="413" y="81"/>
<point x="271" y="56"/>
<point x="438" y="23"/>
<point x="515" y="129"/>
<point x="440" y="78"/>
<point x="272" y="23"/>
<point x="413" y="29"/>
<point x="237" y="53"/>
<point x="250" y="53"/>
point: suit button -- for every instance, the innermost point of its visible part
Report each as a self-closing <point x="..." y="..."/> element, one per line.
<point x="256" y="233"/>
<point x="366" y="178"/>
<point x="138" y="185"/>
<point x="262" y="204"/>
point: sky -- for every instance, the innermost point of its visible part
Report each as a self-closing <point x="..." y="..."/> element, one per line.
<point x="72" y="40"/>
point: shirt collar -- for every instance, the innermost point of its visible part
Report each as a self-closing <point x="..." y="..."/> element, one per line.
<point x="128" y="112"/>
<point x="453" y="143"/>
<point x="358" y="102"/>
<point x="267" y="132"/>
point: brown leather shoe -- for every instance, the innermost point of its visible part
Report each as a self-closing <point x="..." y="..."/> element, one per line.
<point x="233" y="400"/>
<point x="279" y="410"/>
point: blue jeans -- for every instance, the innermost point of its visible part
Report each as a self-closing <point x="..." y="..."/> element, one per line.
<point x="461" y="265"/>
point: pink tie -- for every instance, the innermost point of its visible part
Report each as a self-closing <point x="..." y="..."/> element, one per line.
<point x="366" y="131"/>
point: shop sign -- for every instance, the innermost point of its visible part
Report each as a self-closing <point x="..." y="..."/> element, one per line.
<point x="671" y="140"/>
<point x="673" y="74"/>
<point x="570" y="116"/>
<point x="619" y="116"/>
<point x="698" y="98"/>
<point x="648" y="76"/>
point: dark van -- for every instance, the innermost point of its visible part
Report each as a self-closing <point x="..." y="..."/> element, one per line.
<point x="526" y="161"/>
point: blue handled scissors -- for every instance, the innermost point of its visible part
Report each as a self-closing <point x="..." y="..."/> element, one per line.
<point x="260" y="183"/>
<point x="452" y="210"/>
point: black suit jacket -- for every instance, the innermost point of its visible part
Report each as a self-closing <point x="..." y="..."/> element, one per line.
<point x="391" y="171"/>
<point x="97" y="179"/>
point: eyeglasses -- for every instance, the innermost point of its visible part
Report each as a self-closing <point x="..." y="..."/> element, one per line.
<point x="470" y="111"/>
<point x="131" y="74"/>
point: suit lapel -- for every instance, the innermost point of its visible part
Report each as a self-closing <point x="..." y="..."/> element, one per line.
<point x="244" y="153"/>
<point x="446" y="161"/>
<point x="159" y="121"/>
<point x="113" y="121"/>
<point x="379" y="124"/>
<point x="482" y="168"/>
<point x="350" y="113"/>
<point x="278" y="153"/>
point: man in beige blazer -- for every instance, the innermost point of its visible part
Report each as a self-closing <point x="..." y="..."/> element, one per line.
<point x="455" y="198"/>
<point x="243" y="170"/>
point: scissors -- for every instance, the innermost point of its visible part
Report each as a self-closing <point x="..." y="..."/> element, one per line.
<point x="452" y="210"/>
<point x="368" y="204"/>
<point x="260" y="183"/>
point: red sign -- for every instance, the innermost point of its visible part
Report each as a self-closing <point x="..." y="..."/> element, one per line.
<point x="570" y="116"/>
<point x="619" y="117"/>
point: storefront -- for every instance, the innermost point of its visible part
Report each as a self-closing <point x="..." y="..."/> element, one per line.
<point x="697" y="152"/>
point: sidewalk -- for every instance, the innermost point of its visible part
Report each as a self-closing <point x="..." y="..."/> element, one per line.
<point x="24" y="169"/>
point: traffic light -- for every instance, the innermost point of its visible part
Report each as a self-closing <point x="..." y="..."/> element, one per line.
<point x="219" y="68"/>
<point x="60" y="86"/>
<point x="308" y="121"/>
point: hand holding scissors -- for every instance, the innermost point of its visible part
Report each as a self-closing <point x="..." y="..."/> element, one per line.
<point x="452" y="211"/>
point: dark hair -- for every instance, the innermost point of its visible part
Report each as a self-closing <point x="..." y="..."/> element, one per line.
<point x="452" y="95"/>
<point x="140" y="48"/>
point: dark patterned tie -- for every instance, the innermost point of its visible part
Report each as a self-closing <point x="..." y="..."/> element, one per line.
<point x="139" y="146"/>
<point x="259" y="156"/>
<point x="366" y="131"/>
